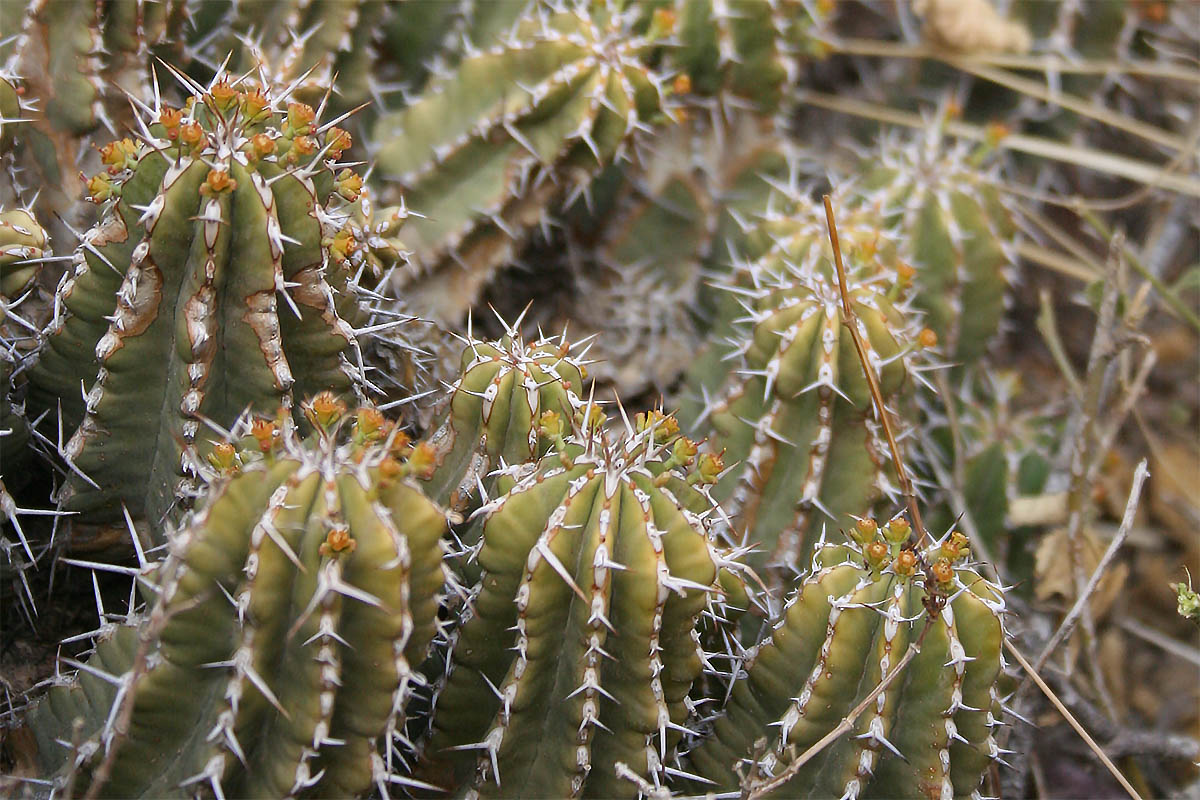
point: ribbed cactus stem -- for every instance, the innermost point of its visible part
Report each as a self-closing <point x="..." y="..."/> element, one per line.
<point x="580" y="648"/>
<point x="795" y="412"/>
<point x="494" y="409"/>
<point x="211" y="285"/>
<point x="484" y="149"/>
<point x="291" y="617"/>
<point x="928" y="734"/>
<point x="22" y="247"/>
<point x="955" y="231"/>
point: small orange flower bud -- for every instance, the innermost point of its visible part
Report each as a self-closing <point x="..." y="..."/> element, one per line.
<point x="254" y="106"/>
<point x="955" y="547"/>
<point x="191" y="134"/>
<point x="342" y="245"/>
<point x="905" y="272"/>
<point x="300" y="118"/>
<point x="261" y="145"/>
<point x="218" y="181"/>
<point x="709" y="467"/>
<point x="877" y="554"/>
<point x="682" y="83"/>
<point x="664" y="426"/>
<point x="324" y="409"/>
<point x="390" y="469"/>
<point x="223" y="96"/>
<point x="684" y="450"/>
<point x="349" y="184"/>
<point x="170" y="118"/>
<point x="864" y="531"/>
<point x="594" y="420"/>
<point x="897" y="530"/>
<point x="224" y="457"/>
<point x="119" y="154"/>
<point x="927" y="338"/>
<point x="550" y="424"/>
<point x="337" y="541"/>
<point x="423" y="460"/>
<point x="401" y="443"/>
<point x="100" y="187"/>
<point x="905" y="564"/>
<point x="369" y="424"/>
<point x="337" y="141"/>
<point x="942" y="572"/>
<point x="265" y="433"/>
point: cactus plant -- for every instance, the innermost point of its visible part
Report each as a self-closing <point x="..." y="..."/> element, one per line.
<point x="846" y="628"/>
<point x="792" y="407"/>
<point x="953" y="228"/>
<point x="484" y="150"/>
<point x="224" y="210"/>
<point x="580" y="649"/>
<point x="22" y="248"/>
<point x="290" y="616"/>
<point x="491" y="419"/>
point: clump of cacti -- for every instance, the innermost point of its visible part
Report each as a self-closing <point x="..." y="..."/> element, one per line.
<point x="843" y="633"/>
<point x="483" y="585"/>
<point x="289" y="619"/>
<point x="217" y="280"/>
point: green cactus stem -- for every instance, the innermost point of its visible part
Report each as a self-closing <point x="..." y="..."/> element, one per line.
<point x="10" y="113"/>
<point x="793" y="409"/>
<point x="928" y="734"/>
<point x="492" y="419"/>
<point x="222" y="212"/>
<point x="22" y="249"/>
<point x="282" y="649"/>
<point x="750" y="50"/>
<point x="954" y="230"/>
<point x="580" y="648"/>
<point x="482" y="152"/>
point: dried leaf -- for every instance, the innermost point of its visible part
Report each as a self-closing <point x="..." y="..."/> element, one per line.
<point x="1054" y="578"/>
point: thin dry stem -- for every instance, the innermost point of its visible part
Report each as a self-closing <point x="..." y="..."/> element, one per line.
<point x="756" y="792"/>
<point x="1068" y="623"/>
<point x="1070" y="718"/>
<point x="850" y="320"/>
<point x="1160" y="176"/>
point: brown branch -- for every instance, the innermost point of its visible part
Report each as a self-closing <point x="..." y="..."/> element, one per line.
<point x="1074" y="723"/>
<point x="850" y="320"/>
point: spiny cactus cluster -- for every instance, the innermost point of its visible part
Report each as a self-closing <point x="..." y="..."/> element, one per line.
<point x="383" y="543"/>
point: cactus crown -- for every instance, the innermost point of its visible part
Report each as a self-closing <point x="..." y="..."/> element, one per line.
<point x="494" y="409"/>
